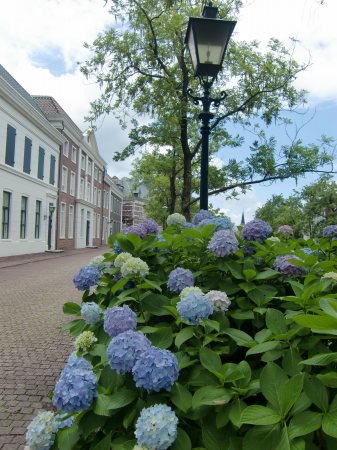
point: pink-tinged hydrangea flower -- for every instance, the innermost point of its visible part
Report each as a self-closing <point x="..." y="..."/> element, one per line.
<point x="201" y="215"/>
<point x="283" y="265"/>
<point x="119" y="319"/>
<point x="136" y="229"/>
<point x="91" y="312"/>
<point x="218" y="300"/>
<point x="176" y="219"/>
<point x="156" y="427"/>
<point x="41" y="431"/>
<point x="179" y="279"/>
<point x="256" y="230"/>
<point x="87" y="276"/>
<point x="330" y="231"/>
<point x="156" y="369"/>
<point x="125" y="348"/>
<point x="150" y="226"/>
<point x="194" y="307"/>
<point x="286" y="230"/>
<point x="223" y="243"/>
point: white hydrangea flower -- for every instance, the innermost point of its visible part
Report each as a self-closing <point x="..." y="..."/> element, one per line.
<point x="330" y="276"/>
<point x="139" y="447"/>
<point x="122" y="258"/>
<point x="218" y="300"/>
<point x="97" y="260"/>
<point x="176" y="219"/>
<point x="85" y="340"/>
<point x="134" y="267"/>
<point x="273" y="239"/>
<point x="189" y="290"/>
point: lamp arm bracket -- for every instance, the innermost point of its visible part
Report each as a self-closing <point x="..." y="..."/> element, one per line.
<point x="216" y="101"/>
<point x="196" y="99"/>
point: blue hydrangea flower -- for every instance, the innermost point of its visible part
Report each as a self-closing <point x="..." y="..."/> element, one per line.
<point x="156" y="427"/>
<point x="91" y="312"/>
<point x="283" y="265"/>
<point x="256" y="230"/>
<point x="189" y="225"/>
<point x="188" y="290"/>
<point x="176" y="219"/>
<point x="117" y="248"/>
<point x="119" y="319"/>
<point x="180" y="278"/>
<point x="125" y="348"/>
<point x="136" y="229"/>
<point x="223" y="243"/>
<point x="156" y="369"/>
<point x="330" y="231"/>
<point x="75" y="389"/>
<point x="150" y="226"/>
<point x="200" y="216"/>
<point x="194" y="307"/>
<point x="221" y="223"/>
<point x="63" y="421"/>
<point x="306" y="250"/>
<point x="77" y="363"/>
<point x="87" y="276"/>
<point x="41" y="431"/>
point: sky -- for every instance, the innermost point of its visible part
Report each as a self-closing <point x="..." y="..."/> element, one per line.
<point x="42" y="46"/>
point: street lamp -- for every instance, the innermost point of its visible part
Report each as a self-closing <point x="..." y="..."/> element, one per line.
<point x="207" y="38"/>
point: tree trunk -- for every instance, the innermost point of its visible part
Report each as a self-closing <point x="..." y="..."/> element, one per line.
<point x="173" y="192"/>
<point x="187" y="187"/>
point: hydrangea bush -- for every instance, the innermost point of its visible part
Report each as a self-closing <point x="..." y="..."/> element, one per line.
<point x="245" y="360"/>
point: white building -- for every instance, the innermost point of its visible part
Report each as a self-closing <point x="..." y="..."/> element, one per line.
<point x="29" y="162"/>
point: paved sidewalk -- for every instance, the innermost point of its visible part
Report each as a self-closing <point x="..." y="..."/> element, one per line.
<point x="32" y="349"/>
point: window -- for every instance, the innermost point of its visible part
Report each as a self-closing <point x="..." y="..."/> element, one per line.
<point x="37" y="219"/>
<point x="107" y="200"/>
<point x="64" y="180"/>
<point x="95" y="196"/>
<point x="66" y="149"/>
<point x="98" y="225"/>
<point x="89" y="166"/>
<point x="72" y="183"/>
<point x="63" y="221"/>
<point x="89" y="191"/>
<point x="95" y="224"/>
<point x="82" y="222"/>
<point x="52" y="169"/>
<point x="6" y="205"/>
<point x="82" y="189"/>
<point x="71" y="222"/>
<point x="23" y="217"/>
<point x="10" y="145"/>
<point x="27" y="154"/>
<point x="73" y="154"/>
<point x="40" y="167"/>
<point x="96" y="173"/>
<point x="83" y="162"/>
<point x="99" y="198"/>
<point x="99" y="176"/>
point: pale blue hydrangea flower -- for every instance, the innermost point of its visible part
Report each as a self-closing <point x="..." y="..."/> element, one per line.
<point x="121" y="259"/>
<point x="99" y="262"/>
<point x="135" y="267"/>
<point x="140" y="447"/>
<point x="306" y="250"/>
<point x="91" y="312"/>
<point x="125" y="348"/>
<point x="330" y="231"/>
<point x="87" y="276"/>
<point x="176" y="219"/>
<point x="41" y="431"/>
<point x="218" y="300"/>
<point x="201" y="215"/>
<point x="189" y="225"/>
<point x="156" y="369"/>
<point x="76" y="388"/>
<point x="283" y="265"/>
<point x="221" y="223"/>
<point x="136" y="229"/>
<point x="85" y="340"/>
<point x="150" y="226"/>
<point x="119" y="319"/>
<point x="189" y="290"/>
<point x="180" y="278"/>
<point x="223" y="243"/>
<point x="63" y="421"/>
<point x="156" y="427"/>
<point x="256" y="230"/>
<point x="77" y="363"/>
<point x="194" y="307"/>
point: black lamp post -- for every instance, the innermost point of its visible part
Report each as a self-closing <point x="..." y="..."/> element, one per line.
<point x="50" y="223"/>
<point x="207" y="38"/>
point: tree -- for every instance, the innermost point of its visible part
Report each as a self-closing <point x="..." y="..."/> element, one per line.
<point x="143" y="69"/>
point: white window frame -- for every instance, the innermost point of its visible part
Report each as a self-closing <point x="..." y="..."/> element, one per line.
<point x="82" y="161"/>
<point x="98" y="228"/>
<point x="74" y="154"/>
<point x="89" y="166"/>
<point x="99" y="198"/>
<point x="99" y="176"/>
<point x="64" y="179"/>
<point x="63" y="217"/>
<point x="66" y="149"/>
<point x="71" y="222"/>
<point x="95" y="195"/>
<point x="72" y="183"/>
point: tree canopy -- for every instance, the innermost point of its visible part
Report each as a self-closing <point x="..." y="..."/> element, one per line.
<point x="144" y="70"/>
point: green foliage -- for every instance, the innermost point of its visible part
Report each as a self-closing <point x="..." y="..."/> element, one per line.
<point x="261" y="375"/>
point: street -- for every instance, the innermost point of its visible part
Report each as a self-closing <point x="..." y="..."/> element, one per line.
<point x="32" y="349"/>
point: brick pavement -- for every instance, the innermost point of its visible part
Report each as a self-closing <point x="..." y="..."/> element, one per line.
<point x="32" y="349"/>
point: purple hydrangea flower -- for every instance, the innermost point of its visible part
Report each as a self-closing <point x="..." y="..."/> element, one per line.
<point x="150" y="225"/>
<point x="283" y="265"/>
<point x="119" y="319"/>
<point x="138" y="229"/>
<point x="256" y="230"/>
<point x="223" y="243"/>
<point x="125" y="348"/>
<point x="91" y="312"/>
<point x="76" y="387"/>
<point x="330" y="231"/>
<point x="286" y="230"/>
<point x="156" y="369"/>
<point x="156" y="427"/>
<point x="87" y="276"/>
<point x="180" y="278"/>
<point x="200" y="216"/>
<point x="194" y="307"/>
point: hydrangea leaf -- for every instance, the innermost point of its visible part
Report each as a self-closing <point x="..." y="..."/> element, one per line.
<point x="67" y="438"/>
<point x="211" y="395"/>
<point x="304" y="423"/>
<point x="72" y="308"/>
<point x="182" y="442"/>
<point x="259" y="415"/>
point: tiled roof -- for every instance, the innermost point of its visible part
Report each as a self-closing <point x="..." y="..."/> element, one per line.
<point x="19" y="89"/>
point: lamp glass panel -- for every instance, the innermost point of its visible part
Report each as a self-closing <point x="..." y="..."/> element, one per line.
<point x="192" y="48"/>
<point x="212" y="37"/>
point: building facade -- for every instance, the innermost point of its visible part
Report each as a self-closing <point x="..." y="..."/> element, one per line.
<point x="29" y="162"/>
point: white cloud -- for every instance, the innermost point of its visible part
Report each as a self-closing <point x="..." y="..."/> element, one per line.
<point x="244" y="203"/>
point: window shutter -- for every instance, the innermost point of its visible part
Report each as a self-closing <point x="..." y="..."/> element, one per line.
<point x="10" y="145"/>
<point x="40" y="168"/>
<point x="27" y="155"/>
<point x="52" y="170"/>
